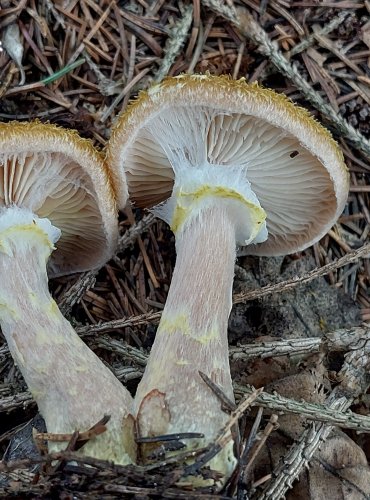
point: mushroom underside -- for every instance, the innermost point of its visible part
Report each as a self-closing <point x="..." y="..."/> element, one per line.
<point x="53" y="186"/>
<point x="292" y="185"/>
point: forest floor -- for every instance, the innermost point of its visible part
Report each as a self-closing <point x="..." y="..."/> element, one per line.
<point x="77" y="64"/>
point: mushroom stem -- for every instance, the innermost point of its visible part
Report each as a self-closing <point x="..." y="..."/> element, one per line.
<point x="192" y="337"/>
<point x="71" y="385"/>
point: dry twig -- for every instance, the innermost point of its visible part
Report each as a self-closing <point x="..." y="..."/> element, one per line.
<point x="243" y="20"/>
<point x="354" y="381"/>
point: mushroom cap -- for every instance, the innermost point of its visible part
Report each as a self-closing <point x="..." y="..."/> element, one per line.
<point x="56" y="174"/>
<point x="293" y="164"/>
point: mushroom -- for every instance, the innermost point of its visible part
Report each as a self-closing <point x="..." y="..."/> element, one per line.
<point x="55" y="192"/>
<point x="225" y="164"/>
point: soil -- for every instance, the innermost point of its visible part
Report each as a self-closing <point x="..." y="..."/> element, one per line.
<point x="305" y="311"/>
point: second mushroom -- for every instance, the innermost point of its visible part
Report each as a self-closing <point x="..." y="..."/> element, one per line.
<point x="55" y="192"/>
<point x="225" y="164"/>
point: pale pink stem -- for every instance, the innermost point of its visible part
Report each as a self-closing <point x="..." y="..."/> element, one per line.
<point x="192" y="337"/>
<point x="71" y="385"/>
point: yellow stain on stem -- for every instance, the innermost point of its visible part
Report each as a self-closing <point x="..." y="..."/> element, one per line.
<point x="180" y="324"/>
<point x="53" y="309"/>
<point x="42" y="337"/>
<point x="187" y="202"/>
<point x="6" y="309"/>
<point x="31" y="231"/>
<point x="45" y="304"/>
<point x="173" y="324"/>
